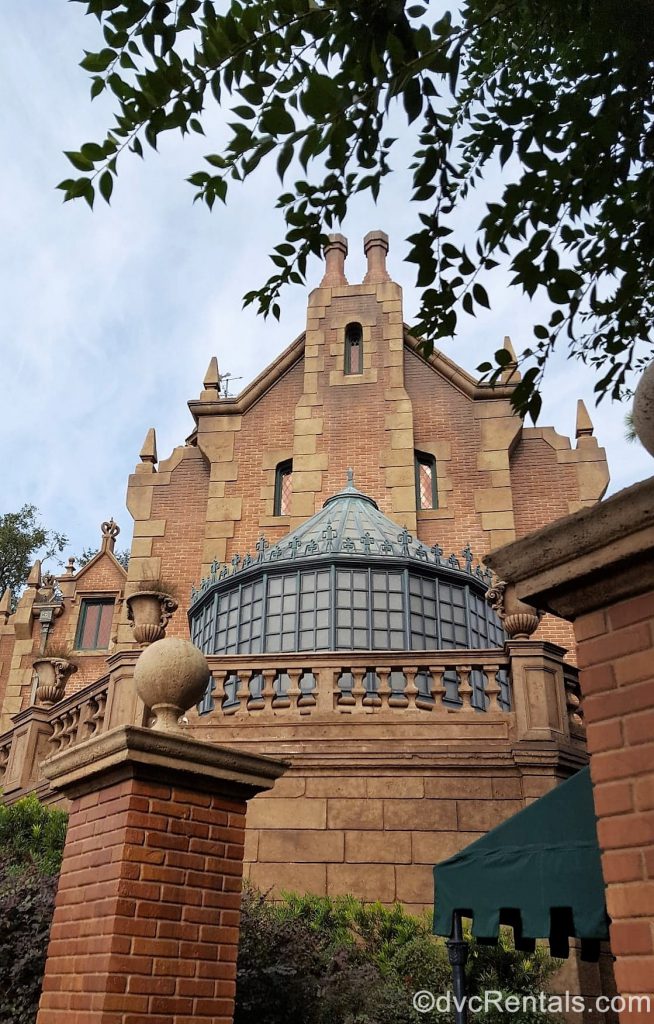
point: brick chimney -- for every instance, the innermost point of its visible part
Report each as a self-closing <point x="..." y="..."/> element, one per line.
<point x="375" y="246"/>
<point x="335" y="252"/>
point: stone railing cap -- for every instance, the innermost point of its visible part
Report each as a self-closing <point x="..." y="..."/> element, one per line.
<point x="167" y="756"/>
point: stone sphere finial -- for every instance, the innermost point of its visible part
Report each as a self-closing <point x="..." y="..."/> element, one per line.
<point x="643" y="409"/>
<point x="171" y="676"/>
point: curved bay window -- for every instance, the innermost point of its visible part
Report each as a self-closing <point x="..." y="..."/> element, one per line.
<point x="353" y="349"/>
<point x="283" y="488"/>
<point x="426" y="493"/>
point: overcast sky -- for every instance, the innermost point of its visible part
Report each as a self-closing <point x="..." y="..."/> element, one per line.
<point x="108" y="318"/>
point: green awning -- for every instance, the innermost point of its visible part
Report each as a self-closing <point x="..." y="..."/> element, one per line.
<point x="539" y="872"/>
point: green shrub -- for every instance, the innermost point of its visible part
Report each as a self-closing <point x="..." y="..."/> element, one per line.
<point x="26" y="907"/>
<point x="32" y="840"/>
<point x="314" y="960"/>
<point x="32" y="834"/>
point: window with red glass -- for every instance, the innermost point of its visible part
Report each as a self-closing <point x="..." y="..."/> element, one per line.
<point x="426" y="494"/>
<point x="94" y="628"/>
<point x="283" y="488"/>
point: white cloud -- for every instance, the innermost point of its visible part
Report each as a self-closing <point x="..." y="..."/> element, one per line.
<point x="108" y="319"/>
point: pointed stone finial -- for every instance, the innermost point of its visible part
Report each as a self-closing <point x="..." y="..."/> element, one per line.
<point x="375" y="246"/>
<point x="350" y="478"/>
<point x="212" y="381"/>
<point x="5" y="607"/>
<point x="148" y="452"/>
<point x="334" y="252"/>
<point x="584" y="423"/>
<point x="510" y="374"/>
<point x="34" y="578"/>
<point x="110" y="531"/>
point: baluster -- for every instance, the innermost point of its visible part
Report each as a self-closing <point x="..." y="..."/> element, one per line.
<point x="282" y="700"/>
<point x="437" y="687"/>
<point x="268" y="692"/>
<point x="346" y="698"/>
<point x="383" y="675"/>
<point x="220" y="694"/>
<point x="307" y="697"/>
<point x="492" y="688"/>
<point x="56" y="736"/>
<point x="5" y="750"/>
<point x="358" y="689"/>
<point x="294" y="691"/>
<point x="465" y="689"/>
<point x="573" y="705"/>
<point x="422" y="700"/>
<point x="242" y="693"/>
<point x="254" y="701"/>
<point x="372" y="698"/>
<point x="410" y="689"/>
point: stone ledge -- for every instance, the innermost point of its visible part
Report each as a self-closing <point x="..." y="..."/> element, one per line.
<point x="590" y="559"/>
<point x="130" y="750"/>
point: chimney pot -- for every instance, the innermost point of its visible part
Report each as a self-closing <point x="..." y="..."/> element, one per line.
<point x="335" y="252"/>
<point x="375" y="246"/>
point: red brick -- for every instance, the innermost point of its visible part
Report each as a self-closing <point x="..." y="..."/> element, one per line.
<point x="612" y="646"/>
<point x="639" y="728"/>
<point x="631" y="938"/>
<point x="626" y="830"/>
<point x="635" y="974"/>
<point x="636" y="609"/>
<point x="604" y="735"/>
<point x="613" y="798"/>
<point x="624" y="700"/>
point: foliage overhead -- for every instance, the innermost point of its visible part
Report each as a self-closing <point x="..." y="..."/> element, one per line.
<point x="557" y="93"/>
<point x="21" y="538"/>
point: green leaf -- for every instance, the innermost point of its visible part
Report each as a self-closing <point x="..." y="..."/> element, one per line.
<point x="98" y="62"/>
<point x="480" y="295"/>
<point x="321" y="97"/>
<point x="106" y="185"/>
<point x="80" y="162"/>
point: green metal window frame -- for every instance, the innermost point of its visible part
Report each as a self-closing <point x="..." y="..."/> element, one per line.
<point x="87" y="604"/>
<point x="350" y="341"/>
<point x="283" y="469"/>
<point x="425" y="459"/>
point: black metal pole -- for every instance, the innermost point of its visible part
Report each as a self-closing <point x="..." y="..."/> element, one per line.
<point x="457" y="954"/>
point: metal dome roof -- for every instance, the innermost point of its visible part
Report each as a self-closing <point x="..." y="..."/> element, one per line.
<point x="349" y="525"/>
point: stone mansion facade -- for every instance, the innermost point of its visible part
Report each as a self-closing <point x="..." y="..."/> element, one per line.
<point x="343" y="613"/>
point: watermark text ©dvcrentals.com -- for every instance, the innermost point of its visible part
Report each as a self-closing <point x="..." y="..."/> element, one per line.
<point x="427" y="1002"/>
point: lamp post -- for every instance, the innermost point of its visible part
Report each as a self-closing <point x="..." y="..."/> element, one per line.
<point x="457" y="954"/>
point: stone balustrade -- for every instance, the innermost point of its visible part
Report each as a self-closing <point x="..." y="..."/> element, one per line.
<point x="526" y="689"/>
<point x="436" y="682"/>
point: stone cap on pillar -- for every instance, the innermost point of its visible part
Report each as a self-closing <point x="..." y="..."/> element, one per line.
<point x="130" y="751"/>
<point x="592" y="558"/>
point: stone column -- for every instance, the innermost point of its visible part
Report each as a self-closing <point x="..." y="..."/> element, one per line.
<point x="146" y="921"/>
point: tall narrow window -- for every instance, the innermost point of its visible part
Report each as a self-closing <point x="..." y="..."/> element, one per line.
<point x="426" y="494"/>
<point x="94" y="627"/>
<point x="283" y="488"/>
<point x="353" y="349"/>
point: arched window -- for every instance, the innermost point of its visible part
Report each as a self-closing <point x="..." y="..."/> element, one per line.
<point x="283" y="488"/>
<point x="353" y="349"/>
<point x="426" y="493"/>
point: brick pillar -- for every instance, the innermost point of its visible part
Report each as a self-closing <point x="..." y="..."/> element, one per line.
<point x="616" y="660"/>
<point x="596" y="568"/>
<point x="147" y="912"/>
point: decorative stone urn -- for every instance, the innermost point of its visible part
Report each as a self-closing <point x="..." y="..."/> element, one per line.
<point x="149" y="612"/>
<point x="53" y="675"/>
<point x="643" y="409"/>
<point x="519" y="619"/>
<point x="171" y="676"/>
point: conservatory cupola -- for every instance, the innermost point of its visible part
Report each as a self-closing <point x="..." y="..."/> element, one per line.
<point x="347" y="579"/>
